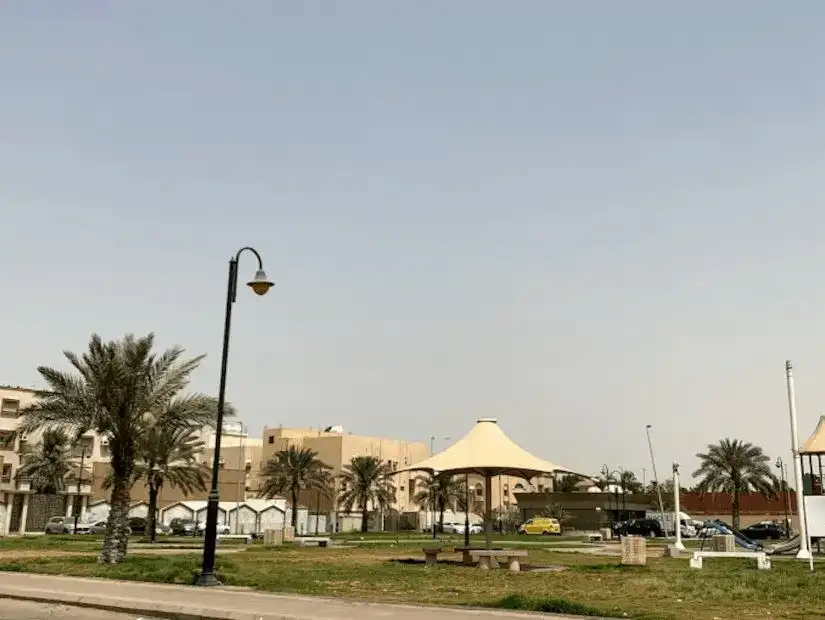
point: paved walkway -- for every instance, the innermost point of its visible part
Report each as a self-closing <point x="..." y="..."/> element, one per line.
<point x="219" y="603"/>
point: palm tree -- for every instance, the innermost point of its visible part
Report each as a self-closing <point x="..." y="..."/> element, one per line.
<point x="365" y="481"/>
<point x="735" y="467"/>
<point x="294" y="470"/>
<point x="558" y="512"/>
<point x="48" y="464"/>
<point x="168" y="459"/>
<point x="439" y="491"/>
<point x="629" y="482"/>
<point x="568" y="483"/>
<point x="115" y="388"/>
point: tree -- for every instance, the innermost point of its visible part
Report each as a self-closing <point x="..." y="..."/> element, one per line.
<point x="364" y="482"/>
<point x="168" y="457"/>
<point x="629" y="482"/>
<point x="568" y="483"/>
<point x="48" y="465"/>
<point x="115" y="388"/>
<point x="294" y="470"/>
<point x="439" y="491"/>
<point x="735" y="467"/>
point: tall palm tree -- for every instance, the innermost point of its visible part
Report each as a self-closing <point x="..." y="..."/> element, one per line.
<point x="439" y="491"/>
<point x="366" y="481"/>
<point x="735" y="467"/>
<point x="114" y="389"/>
<point x="568" y="483"/>
<point x="168" y="459"/>
<point x="294" y="470"/>
<point x="48" y="464"/>
<point x="629" y="482"/>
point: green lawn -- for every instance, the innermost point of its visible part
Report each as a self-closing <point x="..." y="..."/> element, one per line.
<point x="594" y="585"/>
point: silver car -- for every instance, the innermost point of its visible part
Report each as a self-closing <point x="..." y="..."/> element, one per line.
<point x="65" y="525"/>
<point x="99" y="527"/>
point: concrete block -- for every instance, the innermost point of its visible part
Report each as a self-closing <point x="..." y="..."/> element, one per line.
<point x="634" y="551"/>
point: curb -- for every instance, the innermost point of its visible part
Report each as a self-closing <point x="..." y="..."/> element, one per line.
<point x="138" y="606"/>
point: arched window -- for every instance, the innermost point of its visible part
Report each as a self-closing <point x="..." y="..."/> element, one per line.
<point x="519" y="486"/>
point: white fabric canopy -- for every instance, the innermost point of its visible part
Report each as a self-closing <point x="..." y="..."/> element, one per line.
<point x="487" y="451"/>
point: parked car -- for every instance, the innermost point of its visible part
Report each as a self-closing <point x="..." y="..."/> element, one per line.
<point x="544" y="526"/>
<point x="65" y="525"/>
<point x="222" y="528"/>
<point x="767" y="530"/>
<point x="184" y="527"/>
<point x="452" y="527"/>
<point x="639" y="527"/>
<point x="475" y="528"/>
<point x="139" y="525"/>
<point x="99" y="527"/>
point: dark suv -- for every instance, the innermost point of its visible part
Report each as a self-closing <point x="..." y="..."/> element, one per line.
<point x="184" y="527"/>
<point x="764" y="531"/>
<point x="640" y="527"/>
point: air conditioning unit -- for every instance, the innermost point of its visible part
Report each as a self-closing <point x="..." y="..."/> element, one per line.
<point x="104" y="442"/>
<point x="24" y="436"/>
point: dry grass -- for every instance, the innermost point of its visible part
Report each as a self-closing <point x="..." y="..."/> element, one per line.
<point x="666" y="588"/>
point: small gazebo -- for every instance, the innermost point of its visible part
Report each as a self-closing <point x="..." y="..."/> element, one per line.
<point x="486" y="451"/>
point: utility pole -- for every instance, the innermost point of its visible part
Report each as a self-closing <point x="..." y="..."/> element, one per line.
<point x="677" y="509"/>
<point x="804" y="552"/>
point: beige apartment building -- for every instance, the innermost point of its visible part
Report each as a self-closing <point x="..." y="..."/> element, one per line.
<point x="15" y="495"/>
<point x="239" y="452"/>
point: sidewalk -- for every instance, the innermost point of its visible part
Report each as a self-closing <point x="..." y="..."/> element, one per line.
<point x="190" y="603"/>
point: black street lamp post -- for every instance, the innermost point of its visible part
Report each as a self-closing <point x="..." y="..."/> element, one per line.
<point x="260" y="284"/>
<point x="467" y="511"/>
<point x="79" y="497"/>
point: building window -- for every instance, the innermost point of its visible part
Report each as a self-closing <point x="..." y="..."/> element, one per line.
<point x="9" y="408"/>
<point x="5" y="477"/>
<point x="270" y="439"/>
<point x="85" y="445"/>
<point x="541" y="488"/>
<point x="104" y="450"/>
<point x="519" y="486"/>
<point x="7" y="440"/>
<point x="479" y="491"/>
<point x="506" y="491"/>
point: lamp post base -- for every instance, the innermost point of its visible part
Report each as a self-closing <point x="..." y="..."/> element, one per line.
<point x="208" y="581"/>
<point x="803" y="554"/>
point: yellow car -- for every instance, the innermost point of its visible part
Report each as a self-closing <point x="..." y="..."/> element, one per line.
<point x="541" y="525"/>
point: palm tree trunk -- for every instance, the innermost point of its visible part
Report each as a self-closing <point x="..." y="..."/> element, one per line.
<point x="364" y="518"/>
<point x="735" y="510"/>
<point x="117" y="537"/>
<point x="441" y="514"/>
<point x="294" y="493"/>
<point x="153" y="510"/>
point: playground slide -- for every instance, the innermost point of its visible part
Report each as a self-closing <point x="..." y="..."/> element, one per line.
<point x="741" y="539"/>
<point x="785" y="547"/>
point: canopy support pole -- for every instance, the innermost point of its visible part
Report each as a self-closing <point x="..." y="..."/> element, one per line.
<point x="488" y="510"/>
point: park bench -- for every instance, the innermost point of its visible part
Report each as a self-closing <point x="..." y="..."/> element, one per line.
<point x="431" y="554"/>
<point x="763" y="562"/>
<point x="487" y="558"/>
<point x="595" y="538"/>
<point x="320" y="541"/>
<point x="245" y="537"/>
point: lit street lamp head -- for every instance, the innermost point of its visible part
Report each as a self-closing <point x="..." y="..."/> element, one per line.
<point x="260" y="284"/>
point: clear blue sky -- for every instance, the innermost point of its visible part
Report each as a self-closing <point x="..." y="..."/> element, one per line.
<point x="576" y="217"/>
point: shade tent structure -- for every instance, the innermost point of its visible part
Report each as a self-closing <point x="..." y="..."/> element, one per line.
<point x="486" y="451"/>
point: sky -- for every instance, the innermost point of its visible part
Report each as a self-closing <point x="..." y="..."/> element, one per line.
<point x="577" y="218"/>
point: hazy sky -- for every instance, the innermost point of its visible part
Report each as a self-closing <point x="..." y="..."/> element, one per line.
<point x="579" y="218"/>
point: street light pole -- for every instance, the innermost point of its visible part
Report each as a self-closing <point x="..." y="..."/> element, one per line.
<point x="783" y="485"/>
<point x="79" y="499"/>
<point x="260" y="284"/>
<point x="677" y="509"/>
<point x="804" y="552"/>
<point x="656" y="479"/>
<point x="467" y="511"/>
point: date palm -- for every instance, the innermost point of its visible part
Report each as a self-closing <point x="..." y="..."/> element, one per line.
<point x="168" y="457"/>
<point x="366" y="482"/>
<point x="47" y="465"/>
<point x="114" y="388"/>
<point x="294" y="470"/>
<point x="629" y="482"/>
<point x="439" y="491"/>
<point x="735" y="467"/>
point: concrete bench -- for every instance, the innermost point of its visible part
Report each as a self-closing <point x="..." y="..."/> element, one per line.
<point x="431" y="554"/>
<point x="763" y="562"/>
<point x="486" y="558"/>
<point x="320" y="541"/>
<point x="245" y="537"/>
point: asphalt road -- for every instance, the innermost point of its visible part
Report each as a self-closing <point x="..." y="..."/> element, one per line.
<point x="11" y="609"/>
